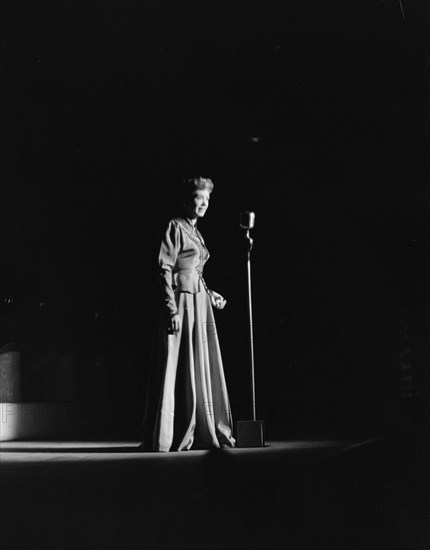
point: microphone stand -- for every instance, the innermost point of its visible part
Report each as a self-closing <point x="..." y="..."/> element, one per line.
<point x="250" y="242"/>
<point x="249" y="433"/>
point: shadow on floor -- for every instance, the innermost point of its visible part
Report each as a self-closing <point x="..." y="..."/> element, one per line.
<point x="302" y="495"/>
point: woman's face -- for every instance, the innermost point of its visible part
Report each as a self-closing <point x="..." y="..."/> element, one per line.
<point x="197" y="205"/>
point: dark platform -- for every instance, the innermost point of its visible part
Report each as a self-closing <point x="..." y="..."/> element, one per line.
<point x="311" y="494"/>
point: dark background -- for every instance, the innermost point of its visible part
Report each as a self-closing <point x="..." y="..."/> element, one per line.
<point x="314" y="114"/>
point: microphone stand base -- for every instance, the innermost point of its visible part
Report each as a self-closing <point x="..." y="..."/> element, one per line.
<point x="250" y="433"/>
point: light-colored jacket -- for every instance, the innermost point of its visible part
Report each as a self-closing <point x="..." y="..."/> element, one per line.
<point x="182" y="256"/>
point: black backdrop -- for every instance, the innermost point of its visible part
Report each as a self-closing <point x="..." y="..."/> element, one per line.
<point x="314" y="114"/>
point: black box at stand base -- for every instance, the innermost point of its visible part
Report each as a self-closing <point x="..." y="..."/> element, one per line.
<point x="250" y="433"/>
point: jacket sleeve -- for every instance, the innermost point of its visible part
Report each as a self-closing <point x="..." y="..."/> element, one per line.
<point x="170" y="246"/>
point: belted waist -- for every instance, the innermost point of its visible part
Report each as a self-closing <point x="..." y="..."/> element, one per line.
<point x="187" y="280"/>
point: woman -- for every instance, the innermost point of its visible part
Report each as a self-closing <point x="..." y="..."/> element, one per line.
<point x="187" y="404"/>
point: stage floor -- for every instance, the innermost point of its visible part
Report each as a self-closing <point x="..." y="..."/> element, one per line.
<point x="369" y="493"/>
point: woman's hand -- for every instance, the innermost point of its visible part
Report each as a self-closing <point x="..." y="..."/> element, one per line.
<point x="217" y="300"/>
<point x="174" y="325"/>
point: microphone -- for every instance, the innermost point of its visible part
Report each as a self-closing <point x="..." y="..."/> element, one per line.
<point x="247" y="220"/>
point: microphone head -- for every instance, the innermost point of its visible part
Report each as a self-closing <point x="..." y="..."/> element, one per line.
<point x="247" y="220"/>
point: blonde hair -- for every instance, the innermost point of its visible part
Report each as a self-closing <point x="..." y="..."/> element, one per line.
<point x="191" y="185"/>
